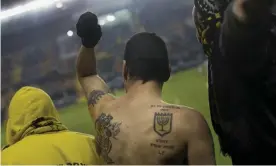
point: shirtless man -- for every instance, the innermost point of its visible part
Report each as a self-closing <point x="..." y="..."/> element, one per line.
<point x="140" y="128"/>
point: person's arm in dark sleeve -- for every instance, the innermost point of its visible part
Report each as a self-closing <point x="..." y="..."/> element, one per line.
<point x="244" y="36"/>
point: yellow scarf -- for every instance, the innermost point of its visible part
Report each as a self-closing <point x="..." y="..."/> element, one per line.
<point x="42" y="125"/>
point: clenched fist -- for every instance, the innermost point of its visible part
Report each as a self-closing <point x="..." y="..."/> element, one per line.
<point x="89" y="30"/>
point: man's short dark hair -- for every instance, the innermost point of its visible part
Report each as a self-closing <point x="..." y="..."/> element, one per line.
<point x="147" y="58"/>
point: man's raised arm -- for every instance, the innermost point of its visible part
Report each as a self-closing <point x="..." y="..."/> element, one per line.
<point x="244" y="36"/>
<point x="96" y="90"/>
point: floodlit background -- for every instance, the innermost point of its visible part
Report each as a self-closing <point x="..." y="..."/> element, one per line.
<point x="39" y="47"/>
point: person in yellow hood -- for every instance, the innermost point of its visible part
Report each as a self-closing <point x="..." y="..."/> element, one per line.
<point x="35" y="134"/>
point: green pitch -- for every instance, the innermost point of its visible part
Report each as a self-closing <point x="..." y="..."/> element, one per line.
<point x="188" y="88"/>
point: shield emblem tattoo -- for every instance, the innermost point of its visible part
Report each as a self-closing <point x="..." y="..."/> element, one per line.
<point x="162" y="123"/>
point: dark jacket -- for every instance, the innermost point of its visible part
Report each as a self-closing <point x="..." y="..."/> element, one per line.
<point x="242" y="84"/>
<point x="246" y="87"/>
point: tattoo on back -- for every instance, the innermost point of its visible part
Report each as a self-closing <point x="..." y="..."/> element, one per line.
<point x="165" y="107"/>
<point x="105" y="131"/>
<point x="162" y="123"/>
<point x="94" y="97"/>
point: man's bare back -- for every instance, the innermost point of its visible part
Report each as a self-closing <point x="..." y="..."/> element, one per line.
<point x="145" y="130"/>
<point x="139" y="128"/>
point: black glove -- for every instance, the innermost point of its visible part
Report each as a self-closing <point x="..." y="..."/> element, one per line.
<point x="89" y="30"/>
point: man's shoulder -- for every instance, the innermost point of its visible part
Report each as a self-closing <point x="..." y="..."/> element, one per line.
<point x="83" y="135"/>
<point x="193" y="122"/>
<point x="111" y="102"/>
<point x="183" y="113"/>
<point x="180" y="108"/>
<point x="98" y="101"/>
<point x="187" y="118"/>
<point x="185" y="121"/>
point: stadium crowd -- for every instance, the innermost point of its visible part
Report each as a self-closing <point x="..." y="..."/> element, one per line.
<point x="47" y="62"/>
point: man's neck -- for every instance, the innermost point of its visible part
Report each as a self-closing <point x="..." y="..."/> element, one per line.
<point x="150" y="88"/>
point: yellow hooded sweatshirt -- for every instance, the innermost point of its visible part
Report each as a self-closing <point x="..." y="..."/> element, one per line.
<point x="35" y="135"/>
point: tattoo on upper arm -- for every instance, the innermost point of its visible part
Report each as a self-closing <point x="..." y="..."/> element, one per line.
<point x="94" y="97"/>
<point x="106" y="129"/>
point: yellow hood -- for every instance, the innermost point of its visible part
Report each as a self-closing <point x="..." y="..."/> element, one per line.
<point x="28" y="105"/>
